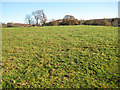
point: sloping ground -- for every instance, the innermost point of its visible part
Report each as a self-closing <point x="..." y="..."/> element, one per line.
<point x="60" y="57"/>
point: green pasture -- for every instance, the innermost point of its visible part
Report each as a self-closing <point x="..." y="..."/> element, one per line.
<point x="60" y="57"/>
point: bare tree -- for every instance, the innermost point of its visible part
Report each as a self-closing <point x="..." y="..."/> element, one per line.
<point x="32" y="22"/>
<point x="39" y="16"/>
<point x="28" y="19"/>
<point x="43" y="18"/>
<point x="36" y="15"/>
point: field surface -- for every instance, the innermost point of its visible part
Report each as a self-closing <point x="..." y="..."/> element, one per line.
<point x="60" y="57"/>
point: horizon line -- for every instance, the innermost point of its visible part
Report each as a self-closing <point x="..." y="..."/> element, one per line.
<point x="58" y="19"/>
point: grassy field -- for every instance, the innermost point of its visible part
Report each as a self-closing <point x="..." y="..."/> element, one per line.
<point x="60" y="57"/>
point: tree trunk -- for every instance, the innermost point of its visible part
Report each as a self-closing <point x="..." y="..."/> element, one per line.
<point x="37" y="22"/>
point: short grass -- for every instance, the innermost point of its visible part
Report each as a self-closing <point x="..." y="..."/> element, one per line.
<point x="60" y="57"/>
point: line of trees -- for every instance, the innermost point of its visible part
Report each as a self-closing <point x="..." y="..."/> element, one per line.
<point x="102" y="22"/>
<point x="37" y="18"/>
<point x="71" y="20"/>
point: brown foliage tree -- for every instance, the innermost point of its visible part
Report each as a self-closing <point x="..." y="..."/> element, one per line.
<point x="106" y="23"/>
<point x="69" y="20"/>
<point x="39" y="16"/>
